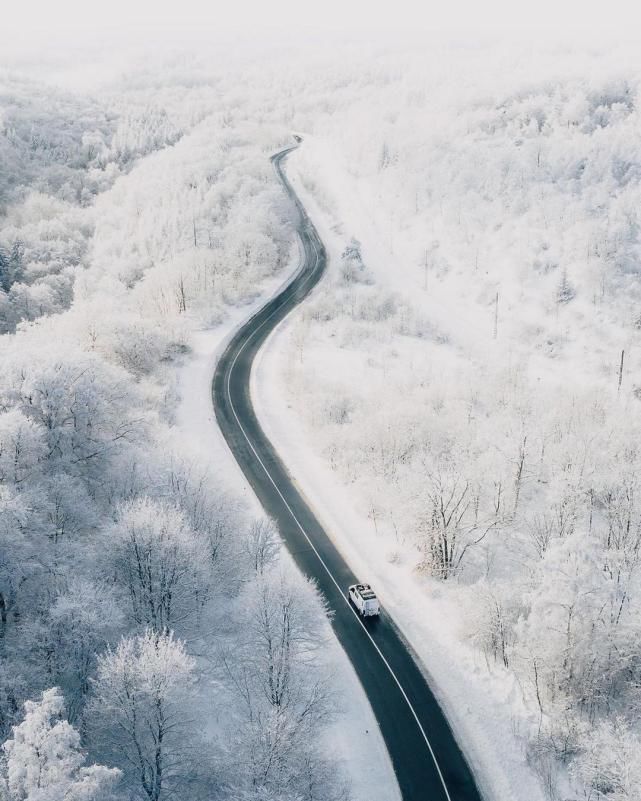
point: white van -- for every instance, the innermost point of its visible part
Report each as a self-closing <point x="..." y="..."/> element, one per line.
<point x="364" y="599"/>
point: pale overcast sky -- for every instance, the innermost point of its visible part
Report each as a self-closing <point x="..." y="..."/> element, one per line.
<point x="60" y="20"/>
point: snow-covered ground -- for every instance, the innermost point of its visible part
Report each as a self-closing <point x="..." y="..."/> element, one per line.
<point x="481" y="343"/>
<point x="484" y="707"/>
<point x="353" y="739"/>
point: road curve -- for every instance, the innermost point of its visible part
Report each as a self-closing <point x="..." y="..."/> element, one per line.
<point x="427" y="760"/>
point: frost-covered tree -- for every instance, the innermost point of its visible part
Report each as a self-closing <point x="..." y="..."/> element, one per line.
<point x="11" y="265"/>
<point x="452" y="521"/>
<point x="82" y="621"/>
<point x="282" y="688"/>
<point x="575" y="625"/>
<point x="139" y="712"/>
<point x="214" y="517"/>
<point x="43" y="761"/>
<point x="80" y="402"/>
<point x="262" y="545"/>
<point x="610" y="765"/>
<point x="22" y="447"/>
<point x="162" y="562"/>
<point x="565" y="292"/>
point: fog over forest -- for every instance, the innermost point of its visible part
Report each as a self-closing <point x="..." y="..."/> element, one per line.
<point x="467" y="375"/>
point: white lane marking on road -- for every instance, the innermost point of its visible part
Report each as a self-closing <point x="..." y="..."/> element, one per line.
<point x="318" y="556"/>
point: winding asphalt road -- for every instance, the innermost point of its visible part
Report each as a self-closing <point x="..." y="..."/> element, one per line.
<point x="427" y="760"/>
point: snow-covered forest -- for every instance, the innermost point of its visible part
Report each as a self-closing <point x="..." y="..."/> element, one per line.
<point x="469" y="369"/>
<point x="479" y="342"/>
<point x="153" y="644"/>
